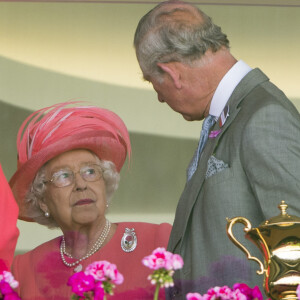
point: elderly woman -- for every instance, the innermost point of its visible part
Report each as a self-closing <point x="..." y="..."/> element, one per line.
<point x="69" y="159"/>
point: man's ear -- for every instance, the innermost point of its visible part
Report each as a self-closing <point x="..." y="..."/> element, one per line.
<point x="171" y="69"/>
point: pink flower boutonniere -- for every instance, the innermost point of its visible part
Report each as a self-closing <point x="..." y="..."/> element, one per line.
<point x="214" y="133"/>
<point x="98" y="279"/>
<point x="164" y="263"/>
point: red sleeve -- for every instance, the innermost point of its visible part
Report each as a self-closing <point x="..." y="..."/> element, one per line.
<point x="8" y="222"/>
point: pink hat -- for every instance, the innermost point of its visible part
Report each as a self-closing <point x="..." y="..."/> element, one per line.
<point x="56" y="129"/>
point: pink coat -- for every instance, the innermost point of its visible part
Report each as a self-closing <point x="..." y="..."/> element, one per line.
<point x="8" y="223"/>
<point x="42" y="274"/>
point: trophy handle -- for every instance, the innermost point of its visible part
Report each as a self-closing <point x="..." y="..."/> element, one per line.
<point x="230" y="223"/>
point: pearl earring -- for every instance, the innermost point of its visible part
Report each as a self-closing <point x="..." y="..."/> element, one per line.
<point x="47" y="215"/>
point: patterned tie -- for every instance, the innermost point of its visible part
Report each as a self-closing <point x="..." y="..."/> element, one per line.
<point x="207" y="124"/>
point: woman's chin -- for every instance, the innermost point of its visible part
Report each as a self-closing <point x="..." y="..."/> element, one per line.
<point x="85" y="217"/>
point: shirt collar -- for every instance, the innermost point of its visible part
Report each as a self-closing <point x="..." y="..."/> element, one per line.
<point x="226" y="87"/>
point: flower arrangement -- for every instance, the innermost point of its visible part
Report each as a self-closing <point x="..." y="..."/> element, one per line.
<point x="240" y="291"/>
<point x="7" y="284"/>
<point x="98" y="279"/>
<point x="164" y="263"/>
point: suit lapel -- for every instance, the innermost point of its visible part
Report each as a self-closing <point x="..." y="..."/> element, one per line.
<point x="247" y="84"/>
<point x="193" y="187"/>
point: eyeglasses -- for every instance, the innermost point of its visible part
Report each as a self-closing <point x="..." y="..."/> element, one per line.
<point x="66" y="177"/>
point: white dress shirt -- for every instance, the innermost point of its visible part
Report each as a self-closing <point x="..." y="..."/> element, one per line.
<point x="227" y="86"/>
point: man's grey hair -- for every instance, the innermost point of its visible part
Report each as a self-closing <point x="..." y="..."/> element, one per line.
<point x="37" y="190"/>
<point x="169" y="33"/>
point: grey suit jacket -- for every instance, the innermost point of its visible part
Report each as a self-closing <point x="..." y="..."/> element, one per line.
<point x="259" y="145"/>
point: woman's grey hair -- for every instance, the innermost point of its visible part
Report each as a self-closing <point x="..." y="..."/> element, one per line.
<point x="180" y="33"/>
<point x="37" y="190"/>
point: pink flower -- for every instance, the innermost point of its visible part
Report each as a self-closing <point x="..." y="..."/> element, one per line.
<point x="5" y="288"/>
<point x="160" y="258"/>
<point x="7" y="284"/>
<point x="240" y="291"/>
<point x="98" y="279"/>
<point x="103" y="271"/>
<point x="9" y="278"/>
<point x="223" y="293"/>
<point x="177" y="262"/>
<point x="97" y="270"/>
<point x="98" y="291"/>
<point x="113" y="274"/>
<point x="298" y="291"/>
<point x="12" y="296"/>
<point x="81" y="283"/>
<point x="251" y="294"/>
<point x="193" y="296"/>
<point x="163" y="263"/>
<point x="238" y="295"/>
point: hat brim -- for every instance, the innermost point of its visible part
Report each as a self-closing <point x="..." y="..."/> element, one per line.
<point x="102" y="143"/>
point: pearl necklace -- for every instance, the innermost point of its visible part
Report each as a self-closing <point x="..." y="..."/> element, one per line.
<point x="95" y="248"/>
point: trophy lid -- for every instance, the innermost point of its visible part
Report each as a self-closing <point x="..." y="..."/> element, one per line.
<point x="284" y="219"/>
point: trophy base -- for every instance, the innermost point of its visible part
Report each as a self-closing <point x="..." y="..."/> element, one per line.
<point x="288" y="295"/>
